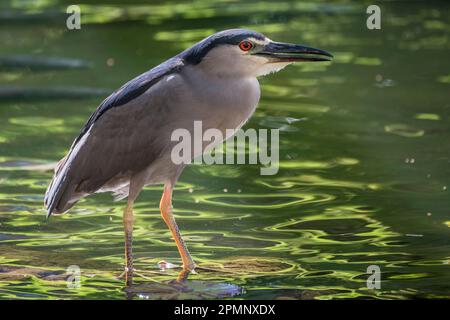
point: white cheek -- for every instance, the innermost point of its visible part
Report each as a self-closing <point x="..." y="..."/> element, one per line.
<point x="271" y="68"/>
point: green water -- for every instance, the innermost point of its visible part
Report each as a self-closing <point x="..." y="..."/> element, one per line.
<point x="364" y="175"/>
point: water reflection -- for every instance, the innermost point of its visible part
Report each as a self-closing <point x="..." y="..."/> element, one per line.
<point x="345" y="196"/>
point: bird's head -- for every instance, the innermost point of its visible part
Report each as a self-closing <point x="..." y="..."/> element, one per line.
<point x="239" y="52"/>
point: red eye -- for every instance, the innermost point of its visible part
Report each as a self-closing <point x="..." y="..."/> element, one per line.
<point x="245" y="45"/>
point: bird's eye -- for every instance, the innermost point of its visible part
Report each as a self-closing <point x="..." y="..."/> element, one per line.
<point x="245" y="45"/>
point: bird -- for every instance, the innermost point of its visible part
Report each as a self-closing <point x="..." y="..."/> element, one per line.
<point x="126" y="143"/>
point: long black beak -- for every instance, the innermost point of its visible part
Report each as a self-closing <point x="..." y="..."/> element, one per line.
<point x="285" y="52"/>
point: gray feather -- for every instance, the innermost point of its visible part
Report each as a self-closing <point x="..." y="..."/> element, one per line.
<point x="113" y="135"/>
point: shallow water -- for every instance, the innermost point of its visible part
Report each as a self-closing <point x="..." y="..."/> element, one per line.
<point x="364" y="176"/>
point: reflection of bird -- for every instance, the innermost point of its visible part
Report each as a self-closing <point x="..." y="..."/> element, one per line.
<point x="126" y="143"/>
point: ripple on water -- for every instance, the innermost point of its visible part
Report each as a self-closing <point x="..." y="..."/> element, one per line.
<point x="335" y="229"/>
<point x="308" y="232"/>
<point x="261" y="201"/>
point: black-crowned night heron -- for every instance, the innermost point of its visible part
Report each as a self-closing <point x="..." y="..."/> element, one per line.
<point x="126" y="143"/>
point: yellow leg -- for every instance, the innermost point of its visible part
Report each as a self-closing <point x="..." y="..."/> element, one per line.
<point x="128" y="220"/>
<point x="166" y="211"/>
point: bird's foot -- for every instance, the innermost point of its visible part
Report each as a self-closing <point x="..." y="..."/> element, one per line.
<point x="190" y="267"/>
<point x="187" y="270"/>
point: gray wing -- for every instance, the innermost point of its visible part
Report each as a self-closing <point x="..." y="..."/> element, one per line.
<point x="120" y="137"/>
<point x="132" y="89"/>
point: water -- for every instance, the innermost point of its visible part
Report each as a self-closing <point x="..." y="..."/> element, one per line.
<point x="364" y="176"/>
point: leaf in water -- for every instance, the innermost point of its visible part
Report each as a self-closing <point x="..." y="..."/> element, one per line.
<point x="404" y="130"/>
<point x="427" y="116"/>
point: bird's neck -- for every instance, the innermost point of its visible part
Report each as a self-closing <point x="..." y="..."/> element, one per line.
<point x="233" y="98"/>
<point x="219" y="84"/>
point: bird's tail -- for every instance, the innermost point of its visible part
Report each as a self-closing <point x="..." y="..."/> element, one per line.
<point x="59" y="190"/>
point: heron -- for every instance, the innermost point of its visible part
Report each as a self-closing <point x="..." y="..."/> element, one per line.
<point x="126" y="143"/>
